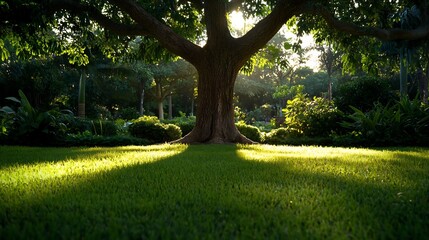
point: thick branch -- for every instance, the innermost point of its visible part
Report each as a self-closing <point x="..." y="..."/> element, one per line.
<point x="97" y="16"/>
<point x="165" y="35"/>
<point x="264" y="30"/>
<point x="382" y="34"/>
<point x="216" y="23"/>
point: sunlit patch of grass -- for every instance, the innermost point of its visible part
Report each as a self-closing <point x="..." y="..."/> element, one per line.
<point x="27" y="180"/>
<point x="214" y="192"/>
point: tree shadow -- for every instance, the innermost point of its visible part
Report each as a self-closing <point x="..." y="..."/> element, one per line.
<point x="201" y="193"/>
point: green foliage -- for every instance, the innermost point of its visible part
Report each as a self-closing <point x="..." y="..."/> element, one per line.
<point x="316" y="117"/>
<point x="31" y="126"/>
<point x="149" y="127"/>
<point x="86" y="138"/>
<point x="47" y="82"/>
<point x="265" y="126"/>
<point x="128" y="113"/>
<point x="251" y="132"/>
<point x="186" y="124"/>
<point x="283" y="136"/>
<point x="362" y="92"/>
<point x="377" y="126"/>
<point x="104" y="128"/>
<point x="7" y="115"/>
<point x="122" y="126"/>
<point x="404" y="123"/>
<point x="277" y="136"/>
<point x="288" y="92"/>
<point x="172" y="132"/>
<point x="154" y="132"/>
<point x="263" y="113"/>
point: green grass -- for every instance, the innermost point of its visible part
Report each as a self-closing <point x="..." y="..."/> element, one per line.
<point x="214" y="192"/>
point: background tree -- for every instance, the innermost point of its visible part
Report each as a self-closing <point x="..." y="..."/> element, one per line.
<point x="330" y="61"/>
<point x="165" y="78"/>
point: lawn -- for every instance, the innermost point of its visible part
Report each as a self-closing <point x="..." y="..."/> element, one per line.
<point x="214" y="192"/>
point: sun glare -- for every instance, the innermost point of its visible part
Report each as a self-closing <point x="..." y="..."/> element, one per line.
<point x="237" y="20"/>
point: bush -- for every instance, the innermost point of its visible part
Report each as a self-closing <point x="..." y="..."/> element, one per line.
<point x="313" y="118"/>
<point x="363" y="93"/>
<point x="282" y="136"/>
<point x="277" y="136"/>
<point x="89" y="140"/>
<point x="149" y="127"/>
<point x="251" y="132"/>
<point x="77" y="125"/>
<point x="129" y="113"/>
<point x="186" y="124"/>
<point x="103" y="128"/>
<point x="173" y="132"/>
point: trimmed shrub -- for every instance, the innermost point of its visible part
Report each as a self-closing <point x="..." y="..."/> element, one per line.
<point x="89" y="140"/>
<point x="149" y="127"/>
<point x="173" y="132"/>
<point x="186" y="124"/>
<point x="185" y="127"/>
<point x="277" y="136"/>
<point x="251" y="132"/>
<point x="282" y="136"/>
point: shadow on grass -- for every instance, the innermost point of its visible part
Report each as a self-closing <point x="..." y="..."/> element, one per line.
<point x="215" y="192"/>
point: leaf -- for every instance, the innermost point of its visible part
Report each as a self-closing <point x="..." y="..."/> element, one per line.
<point x="7" y="110"/>
<point x="13" y="99"/>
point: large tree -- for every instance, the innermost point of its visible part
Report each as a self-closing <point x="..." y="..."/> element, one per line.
<point x="219" y="60"/>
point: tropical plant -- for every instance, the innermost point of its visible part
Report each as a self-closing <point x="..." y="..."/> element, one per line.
<point x="405" y="122"/>
<point x="31" y="126"/>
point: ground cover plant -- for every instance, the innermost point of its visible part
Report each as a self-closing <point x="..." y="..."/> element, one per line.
<point x="214" y="192"/>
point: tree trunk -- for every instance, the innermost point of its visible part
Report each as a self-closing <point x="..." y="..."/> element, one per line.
<point x="403" y="73"/>
<point x="192" y="106"/>
<point x="215" y="111"/>
<point x="329" y="87"/>
<point x="141" y="107"/>
<point x="160" y="110"/>
<point x="81" y="100"/>
<point x="170" y="107"/>
<point x="423" y="85"/>
<point x="160" y="100"/>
